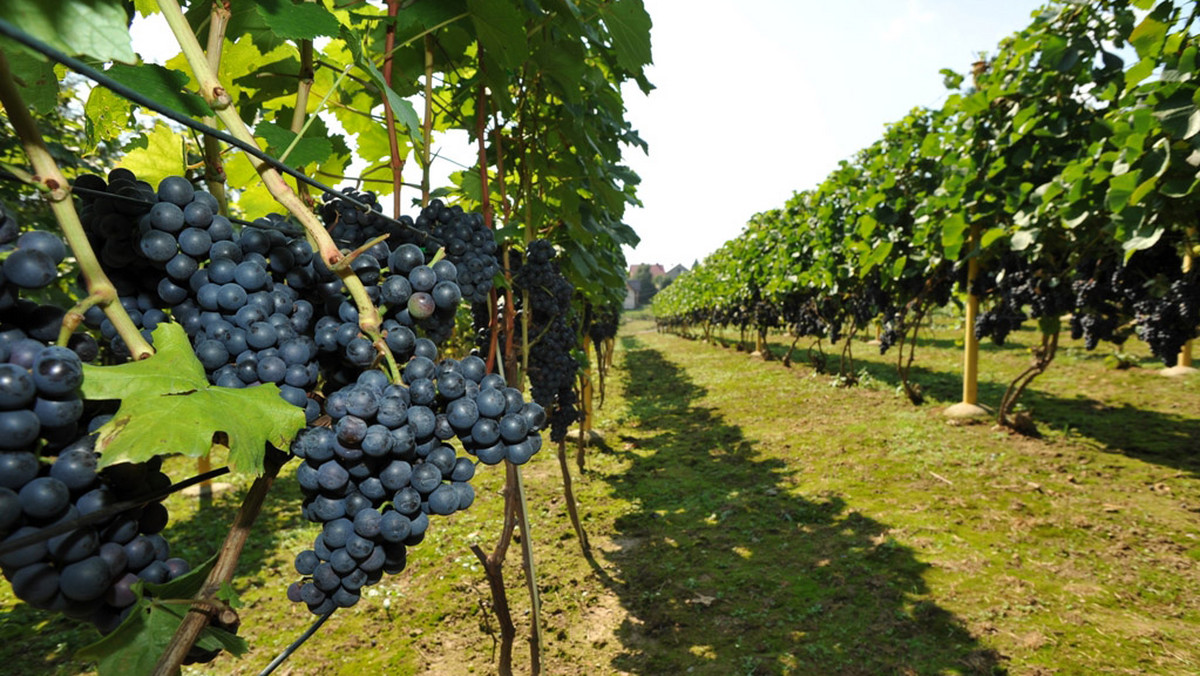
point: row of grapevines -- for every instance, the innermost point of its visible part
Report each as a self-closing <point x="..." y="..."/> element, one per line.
<point x="1064" y="169"/>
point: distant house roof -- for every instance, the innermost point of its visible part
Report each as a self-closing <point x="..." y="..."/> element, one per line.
<point x="634" y="284"/>
<point x="656" y="270"/>
<point x="676" y="271"/>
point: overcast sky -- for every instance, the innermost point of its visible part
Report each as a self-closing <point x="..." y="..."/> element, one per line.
<point x="757" y="99"/>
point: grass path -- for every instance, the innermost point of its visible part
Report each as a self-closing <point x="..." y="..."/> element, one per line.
<point x="875" y="538"/>
<point x="748" y="518"/>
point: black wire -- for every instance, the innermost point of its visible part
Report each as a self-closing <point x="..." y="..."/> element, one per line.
<point x="287" y="652"/>
<point x="10" y="31"/>
<point x="13" y="544"/>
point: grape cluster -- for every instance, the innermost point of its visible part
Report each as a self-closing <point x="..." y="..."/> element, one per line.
<point x="1167" y="323"/>
<point x="1097" y="302"/>
<point x="604" y="323"/>
<point x="468" y="243"/>
<point x="375" y="476"/>
<point x="350" y="225"/>
<point x="31" y="262"/>
<point x="552" y="368"/>
<point x="1150" y="287"/>
<point x="1011" y="285"/>
<point x="259" y="306"/>
<point x="86" y="572"/>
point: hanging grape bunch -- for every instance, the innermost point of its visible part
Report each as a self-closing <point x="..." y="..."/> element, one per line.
<point x="552" y="368"/>
<point x="48" y="468"/>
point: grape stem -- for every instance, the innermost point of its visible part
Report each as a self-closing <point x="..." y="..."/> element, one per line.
<point x="74" y="317"/>
<point x="214" y="166"/>
<point x="57" y="191"/>
<point x="427" y="127"/>
<point x="218" y="98"/>
<point x="394" y="158"/>
<point x="22" y="175"/>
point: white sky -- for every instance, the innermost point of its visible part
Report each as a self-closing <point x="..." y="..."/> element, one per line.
<point x="757" y="99"/>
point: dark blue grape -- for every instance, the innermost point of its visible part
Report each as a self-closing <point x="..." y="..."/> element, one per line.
<point x="443" y="500"/>
<point x="394" y="527"/>
<point x="29" y="269"/>
<point x="331" y="476"/>
<point x="426" y="478"/>
<point x="85" y="580"/>
<point x="407" y="500"/>
<point x="10" y="509"/>
<point x="306" y="562"/>
<point x="422" y="421"/>
<point x="491" y="455"/>
<point x="17" y="387"/>
<point x="75" y="468"/>
<point x="198" y="214"/>
<point x="404" y="258"/>
<point x="36" y="584"/>
<point x="360" y="352"/>
<point x="351" y="429"/>
<point x="445" y="295"/>
<point x="48" y="243"/>
<point x="176" y="190"/>
<point x="466" y="494"/>
<point x="513" y="428"/>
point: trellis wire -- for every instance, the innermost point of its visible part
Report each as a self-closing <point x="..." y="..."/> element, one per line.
<point x="10" y="31"/>
<point x="287" y="652"/>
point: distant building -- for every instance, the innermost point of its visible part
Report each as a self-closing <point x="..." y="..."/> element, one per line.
<point x="631" y="294"/>
<point x="656" y="270"/>
<point x="675" y="272"/>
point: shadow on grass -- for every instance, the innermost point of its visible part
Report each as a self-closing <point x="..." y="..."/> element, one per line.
<point x="724" y="571"/>
<point x="1151" y="436"/>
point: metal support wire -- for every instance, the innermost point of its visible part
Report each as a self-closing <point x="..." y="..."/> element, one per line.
<point x="8" y="30"/>
<point x="287" y="652"/>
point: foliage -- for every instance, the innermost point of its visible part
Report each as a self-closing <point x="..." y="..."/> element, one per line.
<point x="503" y="72"/>
<point x="1057" y="166"/>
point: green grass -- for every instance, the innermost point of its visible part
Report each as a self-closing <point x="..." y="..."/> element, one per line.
<point x="748" y="518"/>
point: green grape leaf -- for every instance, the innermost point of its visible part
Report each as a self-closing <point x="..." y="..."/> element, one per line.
<point x="172" y="368"/>
<point x="1147" y="37"/>
<point x="106" y="116"/>
<point x="500" y="28"/>
<point x="1120" y="189"/>
<point x="229" y="596"/>
<point x="168" y="406"/>
<point x="134" y="648"/>
<point x="308" y="150"/>
<point x="1140" y="71"/>
<point x="303" y="21"/>
<point x="97" y="29"/>
<point x="629" y="25"/>
<point x="1145" y="238"/>
<point x="163" y="156"/>
<point x="35" y="76"/>
<point x="402" y="109"/>
<point x="162" y="85"/>
<point x="954" y="230"/>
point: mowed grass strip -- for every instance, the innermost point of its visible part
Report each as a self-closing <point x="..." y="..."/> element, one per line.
<point x="985" y="550"/>
<point x="748" y="518"/>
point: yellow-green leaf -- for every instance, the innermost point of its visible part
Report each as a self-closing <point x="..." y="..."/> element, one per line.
<point x="163" y="156"/>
